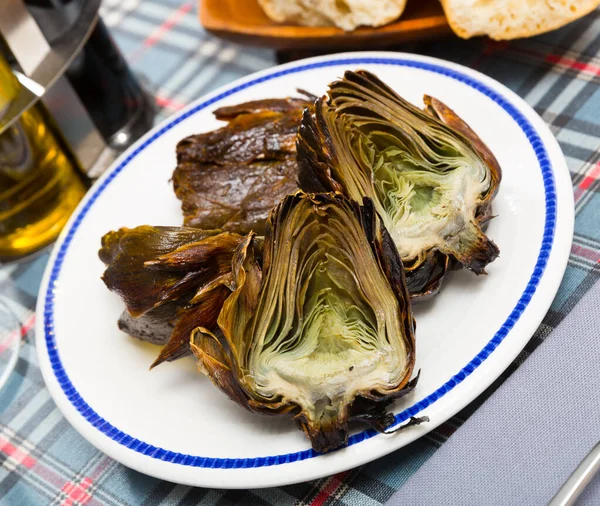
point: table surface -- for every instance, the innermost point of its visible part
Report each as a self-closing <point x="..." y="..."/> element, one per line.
<point x="45" y="461"/>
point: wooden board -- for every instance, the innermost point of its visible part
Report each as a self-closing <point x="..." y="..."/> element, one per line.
<point x="243" y="21"/>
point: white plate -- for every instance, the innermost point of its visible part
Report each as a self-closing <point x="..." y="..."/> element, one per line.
<point x="172" y="423"/>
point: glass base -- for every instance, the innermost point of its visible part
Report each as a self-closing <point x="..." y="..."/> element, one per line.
<point x="10" y="341"/>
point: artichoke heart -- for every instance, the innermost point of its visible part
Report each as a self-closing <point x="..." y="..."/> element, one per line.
<point x="172" y="279"/>
<point x="323" y="330"/>
<point x="431" y="178"/>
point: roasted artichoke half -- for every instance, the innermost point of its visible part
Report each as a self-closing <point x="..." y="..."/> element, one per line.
<point x="172" y="280"/>
<point x="323" y="329"/>
<point x="430" y="177"/>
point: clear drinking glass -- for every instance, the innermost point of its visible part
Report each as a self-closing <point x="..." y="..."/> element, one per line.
<point x="10" y="341"/>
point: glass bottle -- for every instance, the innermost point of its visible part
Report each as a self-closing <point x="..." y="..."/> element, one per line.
<point x="39" y="183"/>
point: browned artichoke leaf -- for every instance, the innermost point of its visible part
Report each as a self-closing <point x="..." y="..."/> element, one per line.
<point x="247" y="278"/>
<point x="324" y="330"/>
<point x="213" y="361"/>
<point x="149" y="266"/>
<point x="213" y="252"/>
<point x="202" y="314"/>
<point x="424" y="278"/>
<point x="429" y="175"/>
<point x="269" y="105"/>
<point x="172" y="280"/>
<point x="232" y="177"/>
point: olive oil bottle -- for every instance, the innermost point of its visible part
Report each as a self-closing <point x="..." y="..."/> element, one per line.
<point x="39" y="184"/>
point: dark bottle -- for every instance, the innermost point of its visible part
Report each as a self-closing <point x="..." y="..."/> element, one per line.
<point x="113" y="97"/>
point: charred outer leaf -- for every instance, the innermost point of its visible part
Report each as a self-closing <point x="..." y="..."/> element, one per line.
<point x="232" y="177"/>
<point x="171" y="279"/>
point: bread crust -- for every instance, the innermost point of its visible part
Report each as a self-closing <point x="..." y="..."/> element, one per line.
<point x="516" y="31"/>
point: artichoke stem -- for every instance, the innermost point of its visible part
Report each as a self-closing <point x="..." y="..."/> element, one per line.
<point x="327" y="427"/>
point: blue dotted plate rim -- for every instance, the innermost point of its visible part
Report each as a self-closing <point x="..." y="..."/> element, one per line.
<point x="105" y="427"/>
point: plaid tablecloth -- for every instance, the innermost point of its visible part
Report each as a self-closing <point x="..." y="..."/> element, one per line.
<point x="44" y="461"/>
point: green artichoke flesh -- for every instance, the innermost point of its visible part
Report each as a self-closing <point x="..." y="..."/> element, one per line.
<point x="430" y="177"/>
<point x="322" y="330"/>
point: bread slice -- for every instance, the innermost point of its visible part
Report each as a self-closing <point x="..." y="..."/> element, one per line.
<point x="512" y="19"/>
<point x="347" y="14"/>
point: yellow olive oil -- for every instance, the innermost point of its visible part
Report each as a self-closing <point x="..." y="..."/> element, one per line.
<point x="39" y="184"/>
